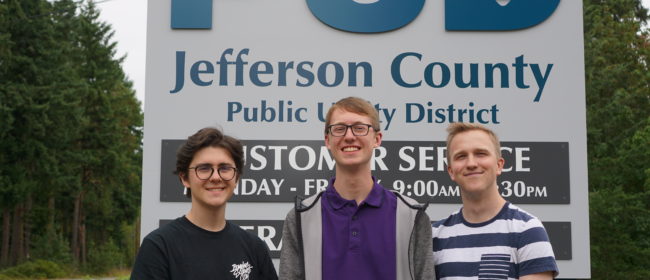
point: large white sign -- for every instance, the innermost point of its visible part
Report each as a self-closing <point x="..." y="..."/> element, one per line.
<point x="267" y="71"/>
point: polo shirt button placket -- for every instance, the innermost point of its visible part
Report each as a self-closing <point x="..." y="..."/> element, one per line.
<point x="355" y="242"/>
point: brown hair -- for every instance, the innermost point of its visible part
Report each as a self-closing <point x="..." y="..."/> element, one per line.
<point x="354" y="105"/>
<point x="208" y="137"/>
<point x="456" y="128"/>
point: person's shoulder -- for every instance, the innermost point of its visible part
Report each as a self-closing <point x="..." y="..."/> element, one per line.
<point x="166" y="230"/>
<point x="246" y="236"/>
<point x="514" y="212"/>
<point x="239" y="231"/>
<point x="306" y="203"/>
<point x="410" y="202"/>
<point x="519" y="221"/>
<point x="451" y="220"/>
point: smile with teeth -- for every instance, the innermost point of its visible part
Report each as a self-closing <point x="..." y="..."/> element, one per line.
<point x="351" y="149"/>
<point x="215" y="188"/>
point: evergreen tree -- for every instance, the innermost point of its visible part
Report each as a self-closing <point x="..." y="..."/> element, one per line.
<point x="6" y="122"/>
<point x="31" y="81"/>
<point x="71" y="128"/>
<point x="110" y="140"/>
<point x="617" y="57"/>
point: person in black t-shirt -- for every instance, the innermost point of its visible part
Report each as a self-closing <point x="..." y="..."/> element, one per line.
<point x="202" y="244"/>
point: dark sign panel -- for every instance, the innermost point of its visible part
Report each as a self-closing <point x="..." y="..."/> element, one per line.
<point x="278" y="171"/>
<point x="270" y="231"/>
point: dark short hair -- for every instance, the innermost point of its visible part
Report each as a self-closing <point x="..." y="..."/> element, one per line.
<point x="208" y="137"/>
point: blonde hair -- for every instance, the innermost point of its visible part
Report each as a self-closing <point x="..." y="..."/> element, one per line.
<point x="456" y="128"/>
<point x="354" y="105"/>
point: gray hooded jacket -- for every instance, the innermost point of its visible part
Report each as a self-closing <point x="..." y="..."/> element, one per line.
<point x="301" y="256"/>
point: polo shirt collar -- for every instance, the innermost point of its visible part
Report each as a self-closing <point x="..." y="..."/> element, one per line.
<point x="376" y="195"/>
<point x="374" y="199"/>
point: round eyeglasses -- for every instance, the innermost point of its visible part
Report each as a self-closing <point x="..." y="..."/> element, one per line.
<point x="205" y="171"/>
<point x="341" y="129"/>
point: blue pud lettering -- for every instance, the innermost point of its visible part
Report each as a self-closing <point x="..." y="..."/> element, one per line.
<point x="416" y="112"/>
<point x="263" y="73"/>
<point x="438" y="74"/>
<point x="265" y="113"/>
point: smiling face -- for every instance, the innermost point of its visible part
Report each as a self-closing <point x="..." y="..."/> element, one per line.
<point x="473" y="162"/>
<point x="349" y="150"/>
<point x="213" y="192"/>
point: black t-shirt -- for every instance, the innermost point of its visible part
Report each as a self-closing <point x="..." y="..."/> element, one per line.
<point x="182" y="250"/>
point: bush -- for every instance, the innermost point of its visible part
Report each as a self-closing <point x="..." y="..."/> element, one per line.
<point x="129" y="241"/>
<point x="33" y="270"/>
<point x="53" y="247"/>
<point x="620" y="234"/>
<point x="103" y="258"/>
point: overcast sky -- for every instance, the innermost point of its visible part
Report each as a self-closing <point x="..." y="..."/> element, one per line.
<point x="129" y="21"/>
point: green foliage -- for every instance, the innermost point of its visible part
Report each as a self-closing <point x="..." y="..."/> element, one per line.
<point x="37" y="269"/>
<point x="105" y="257"/>
<point x="129" y="240"/>
<point x="52" y="247"/>
<point x="71" y="131"/>
<point x="634" y="158"/>
<point x="617" y="56"/>
<point x="617" y="60"/>
<point x="620" y="239"/>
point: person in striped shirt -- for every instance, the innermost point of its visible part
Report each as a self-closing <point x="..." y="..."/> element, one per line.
<point x="488" y="238"/>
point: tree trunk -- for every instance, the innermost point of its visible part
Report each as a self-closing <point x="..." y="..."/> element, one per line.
<point x="6" y="227"/>
<point x="82" y="239"/>
<point x="74" y="242"/>
<point x="137" y="236"/>
<point x="49" y="227"/>
<point x="27" y="226"/>
<point x="17" y="253"/>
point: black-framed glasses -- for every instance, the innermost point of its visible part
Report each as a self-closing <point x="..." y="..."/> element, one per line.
<point x="357" y="129"/>
<point x="205" y="171"/>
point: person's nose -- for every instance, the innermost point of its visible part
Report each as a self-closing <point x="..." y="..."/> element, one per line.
<point x="348" y="133"/>
<point x="471" y="162"/>
<point x="215" y="176"/>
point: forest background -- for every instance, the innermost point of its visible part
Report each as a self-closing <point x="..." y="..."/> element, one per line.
<point x="71" y="141"/>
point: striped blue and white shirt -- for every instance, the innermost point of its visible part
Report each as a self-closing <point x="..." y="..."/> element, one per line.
<point x="512" y="244"/>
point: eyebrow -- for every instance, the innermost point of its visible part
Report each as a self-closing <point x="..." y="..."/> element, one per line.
<point x="482" y="150"/>
<point x="357" y="122"/>
<point x="457" y="153"/>
<point x="218" y="165"/>
<point x="470" y="151"/>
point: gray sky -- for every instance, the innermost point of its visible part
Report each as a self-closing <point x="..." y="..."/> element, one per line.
<point x="129" y="21"/>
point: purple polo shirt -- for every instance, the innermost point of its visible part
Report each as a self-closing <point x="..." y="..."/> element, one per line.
<point x="359" y="242"/>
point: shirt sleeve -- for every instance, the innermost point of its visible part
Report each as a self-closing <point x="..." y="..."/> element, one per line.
<point x="422" y="248"/>
<point x="151" y="262"/>
<point x="266" y="267"/>
<point x="534" y="251"/>
<point x="290" y="262"/>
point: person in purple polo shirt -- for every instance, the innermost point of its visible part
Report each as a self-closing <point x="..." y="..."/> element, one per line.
<point x="355" y="229"/>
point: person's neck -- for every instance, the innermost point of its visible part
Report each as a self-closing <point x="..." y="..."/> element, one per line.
<point x="478" y="209"/>
<point x="208" y="219"/>
<point x="353" y="185"/>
